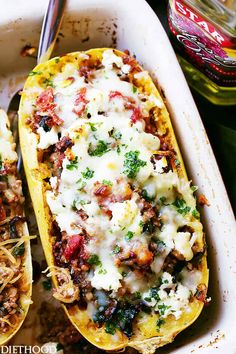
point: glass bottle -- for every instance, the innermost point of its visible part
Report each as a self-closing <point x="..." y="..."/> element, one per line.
<point x="204" y="35"/>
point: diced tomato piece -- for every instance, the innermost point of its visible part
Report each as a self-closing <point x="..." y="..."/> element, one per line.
<point x="136" y="115"/>
<point x="80" y="101"/>
<point x="114" y="94"/>
<point x="74" y="244"/>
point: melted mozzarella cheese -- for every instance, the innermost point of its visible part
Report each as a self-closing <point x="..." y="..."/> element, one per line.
<point x="107" y="146"/>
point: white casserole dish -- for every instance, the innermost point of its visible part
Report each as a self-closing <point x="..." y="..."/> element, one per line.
<point x="133" y="25"/>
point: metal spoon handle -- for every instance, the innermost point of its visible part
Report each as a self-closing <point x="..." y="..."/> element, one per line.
<point x="50" y="28"/>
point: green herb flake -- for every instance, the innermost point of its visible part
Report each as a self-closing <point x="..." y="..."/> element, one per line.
<point x="1" y="162"/>
<point x="134" y="89"/>
<point x="147" y="197"/>
<point x="177" y="162"/>
<point x="160" y="322"/>
<point x="162" y="200"/>
<point x="116" y="135"/>
<point x="47" y="284"/>
<point x="154" y="294"/>
<point x="110" y="328"/>
<point x="194" y="188"/>
<point x="118" y="150"/>
<point x="117" y="249"/>
<point x="141" y="223"/>
<point x="181" y="206"/>
<point x="101" y="148"/>
<point x="88" y="174"/>
<point x="162" y="308"/>
<point x="48" y="82"/>
<point x="102" y="271"/>
<point x="196" y="214"/>
<point x="93" y="126"/>
<point x="18" y="250"/>
<point x="33" y="73"/>
<point x="137" y="295"/>
<point x="74" y="205"/>
<point x="57" y="60"/>
<point x="132" y="164"/>
<point x="81" y="184"/>
<point x="73" y="164"/>
<point x="107" y="183"/>
<point x="129" y="235"/>
<point x="94" y="259"/>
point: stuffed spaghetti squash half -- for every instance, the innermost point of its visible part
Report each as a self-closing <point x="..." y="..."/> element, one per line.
<point x="116" y="213"/>
<point x="15" y="257"/>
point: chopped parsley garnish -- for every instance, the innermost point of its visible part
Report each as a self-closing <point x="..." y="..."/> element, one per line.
<point x="181" y="206"/>
<point x="141" y="223"/>
<point x="18" y="250"/>
<point x="132" y="163"/>
<point x="154" y="293"/>
<point x="0" y="161"/>
<point x="116" y="135"/>
<point x="107" y="183"/>
<point x="118" y="149"/>
<point x="177" y="162"/>
<point x="100" y="149"/>
<point x="196" y="214"/>
<point x="57" y="59"/>
<point x="117" y="249"/>
<point x="81" y="184"/>
<point x="87" y="173"/>
<point x="160" y="322"/>
<point x="162" y="200"/>
<point x="102" y="271"/>
<point x="110" y="327"/>
<point x="48" y="82"/>
<point x="33" y="73"/>
<point x="194" y="188"/>
<point x="162" y="308"/>
<point x="129" y="235"/>
<point x="134" y="89"/>
<point x="74" y="205"/>
<point x="93" y="125"/>
<point x="94" y="259"/>
<point x="73" y="164"/>
<point x="137" y="295"/>
<point x="47" y="285"/>
<point x="145" y="195"/>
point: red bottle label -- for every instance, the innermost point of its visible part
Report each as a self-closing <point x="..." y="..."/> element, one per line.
<point x="201" y="43"/>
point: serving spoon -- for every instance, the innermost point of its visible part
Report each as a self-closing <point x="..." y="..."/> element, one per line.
<point x="50" y="28"/>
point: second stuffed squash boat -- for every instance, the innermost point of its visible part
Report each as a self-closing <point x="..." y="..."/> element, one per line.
<point x="116" y="213"/>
